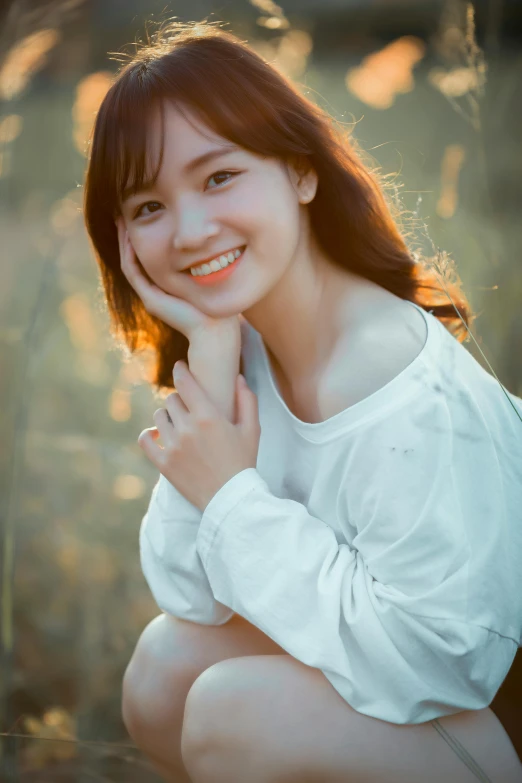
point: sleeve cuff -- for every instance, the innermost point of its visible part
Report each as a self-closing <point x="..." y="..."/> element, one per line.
<point x="220" y="506"/>
<point x="172" y="502"/>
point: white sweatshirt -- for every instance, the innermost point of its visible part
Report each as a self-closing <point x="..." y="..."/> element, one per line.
<point x="382" y="546"/>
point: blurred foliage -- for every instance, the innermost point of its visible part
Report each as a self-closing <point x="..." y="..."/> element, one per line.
<point x="439" y="113"/>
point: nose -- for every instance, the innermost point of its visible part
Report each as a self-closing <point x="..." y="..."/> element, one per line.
<point x="194" y="228"/>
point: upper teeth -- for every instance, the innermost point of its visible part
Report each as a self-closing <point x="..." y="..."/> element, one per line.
<point x="217" y="263"/>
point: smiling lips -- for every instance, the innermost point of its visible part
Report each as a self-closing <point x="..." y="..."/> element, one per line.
<point x="211" y="277"/>
<point x="212" y="263"/>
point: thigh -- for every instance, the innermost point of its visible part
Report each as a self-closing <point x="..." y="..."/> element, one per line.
<point x="280" y="717"/>
<point x="169" y="641"/>
<point x="168" y="658"/>
<point x="171" y="653"/>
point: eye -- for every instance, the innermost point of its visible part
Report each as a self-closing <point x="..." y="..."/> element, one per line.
<point x="147" y="203"/>
<point x="221" y="173"/>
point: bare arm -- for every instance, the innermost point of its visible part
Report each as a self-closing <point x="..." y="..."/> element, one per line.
<point x="213" y="359"/>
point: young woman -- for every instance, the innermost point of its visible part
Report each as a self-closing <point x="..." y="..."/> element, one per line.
<point x="336" y="546"/>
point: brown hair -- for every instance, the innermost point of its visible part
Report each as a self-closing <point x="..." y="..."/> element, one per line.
<point x="249" y="102"/>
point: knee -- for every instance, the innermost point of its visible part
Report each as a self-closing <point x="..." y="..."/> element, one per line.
<point x="217" y="739"/>
<point x="210" y="714"/>
<point x="154" y="681"/>
<point x="134" y="698"/>
<point x="201" y="722"/>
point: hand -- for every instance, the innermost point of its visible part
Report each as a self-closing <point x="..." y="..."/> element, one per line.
<point x="203" y="449"/>
<point x="172" y="310"/>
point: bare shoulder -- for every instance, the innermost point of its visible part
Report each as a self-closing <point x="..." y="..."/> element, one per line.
<point x="382" y="348"/>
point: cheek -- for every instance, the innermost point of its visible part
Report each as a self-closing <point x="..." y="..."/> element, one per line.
<point x="278" y="221"/>
<point x="266" y="211"/>
<point x="151" y="247"/>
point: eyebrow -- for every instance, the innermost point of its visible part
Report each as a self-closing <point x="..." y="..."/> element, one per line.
<point x="188" y="168"/>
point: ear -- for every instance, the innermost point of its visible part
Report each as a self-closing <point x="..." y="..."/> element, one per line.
<point x="304" y="179"/>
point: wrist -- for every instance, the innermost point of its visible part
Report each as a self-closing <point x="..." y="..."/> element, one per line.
<point x="214" y="360"/>
<point x="222" y="331"/>
<point x="220" y="342"/>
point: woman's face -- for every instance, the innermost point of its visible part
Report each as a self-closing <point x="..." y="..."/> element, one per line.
<point x="194" y="213"/>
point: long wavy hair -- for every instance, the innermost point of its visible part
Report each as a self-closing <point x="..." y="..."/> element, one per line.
<point x="249" y="102"/>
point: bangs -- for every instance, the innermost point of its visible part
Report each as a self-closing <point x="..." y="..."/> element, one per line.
<point x="122" y="141"/>
<point x="123" y="159"/>
<point x="136" y="165"/>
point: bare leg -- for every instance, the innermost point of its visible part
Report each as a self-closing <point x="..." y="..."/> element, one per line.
<point x="169" y="657"/>
<point x="143" y="710"/>
<point x="283" y="721"/>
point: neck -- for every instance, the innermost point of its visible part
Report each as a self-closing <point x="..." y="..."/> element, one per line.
<point x="303" y="316"/>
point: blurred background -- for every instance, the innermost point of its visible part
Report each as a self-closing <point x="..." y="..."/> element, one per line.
<point x="434" y="89"/>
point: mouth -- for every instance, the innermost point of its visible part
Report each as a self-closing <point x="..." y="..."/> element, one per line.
<point x="201" y="264"/>
<point x="219" y="276"/>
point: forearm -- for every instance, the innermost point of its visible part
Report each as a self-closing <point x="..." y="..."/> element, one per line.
<point x="213" y="360"/>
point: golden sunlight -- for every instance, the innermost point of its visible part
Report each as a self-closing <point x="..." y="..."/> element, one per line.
<point x="129" y="487"/>
<point x="90" y="92"/>
<point x="457" y="82"/>
<point x="288" y="54"/>
<point x="24" y="59"/>
<point x="84" y="332"/>
<point x="384" y="74"/>
<point x="452" y="162"/>
<point x="120" y="404"/>
<point x="10" y="128"/>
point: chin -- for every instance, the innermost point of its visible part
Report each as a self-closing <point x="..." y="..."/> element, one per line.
<point x="221" y="312"/>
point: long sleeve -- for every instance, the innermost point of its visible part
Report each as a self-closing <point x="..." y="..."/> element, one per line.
<point x="403" y="649"/>
<point x="170" y="562"/>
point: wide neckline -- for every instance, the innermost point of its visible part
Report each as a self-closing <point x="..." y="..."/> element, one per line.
<point x="398" y="390"/>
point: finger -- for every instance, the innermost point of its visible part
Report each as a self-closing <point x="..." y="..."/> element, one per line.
<point x="129" y="260"/>
<point x="176" y="408"/>
<point x="155" y="433"/>
<point x="132" y="270"/>
<point x="146" y="441"/>
<point x="195" y="398"/>
<point x="154" y="299"/>
<point x="164" y="424"/>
